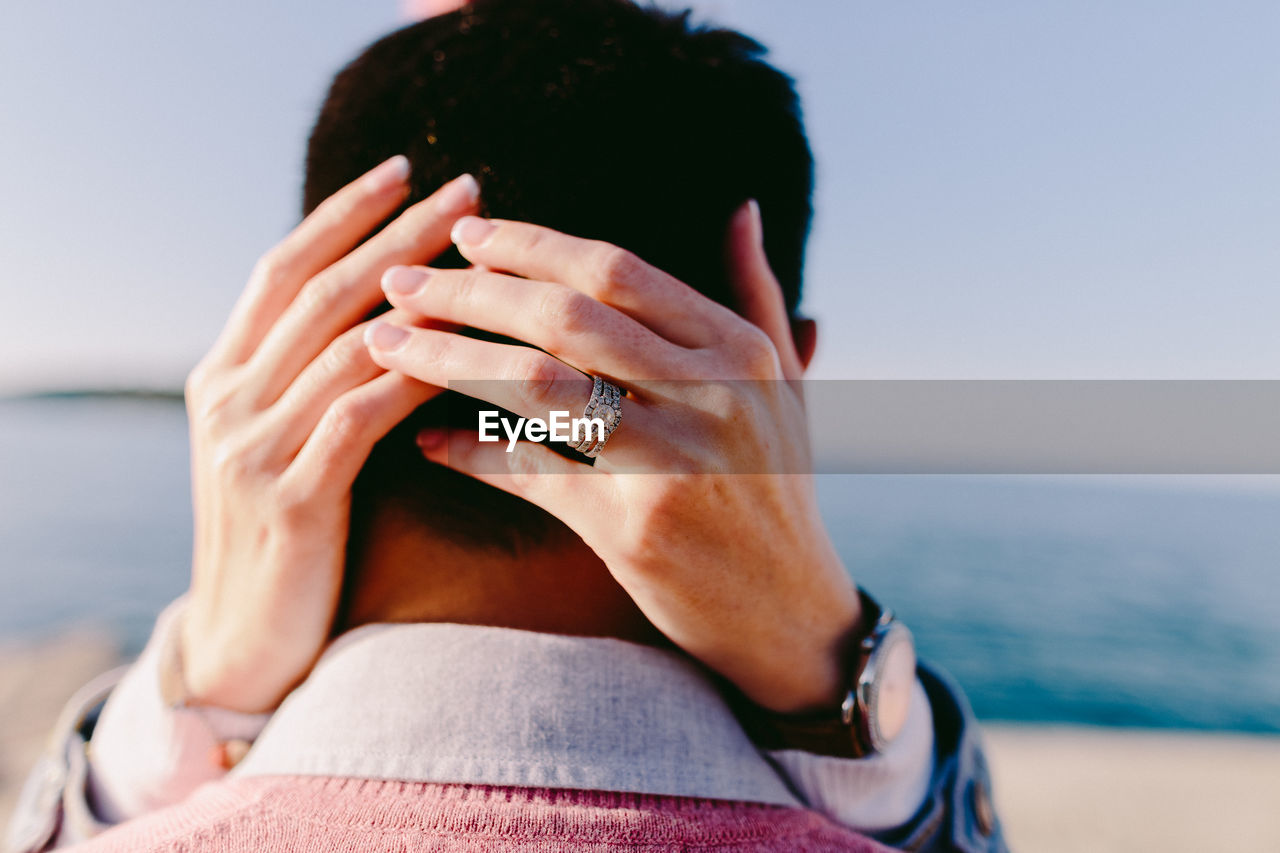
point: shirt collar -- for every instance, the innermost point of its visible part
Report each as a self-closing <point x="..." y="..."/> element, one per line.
<point x="495" y="706"/>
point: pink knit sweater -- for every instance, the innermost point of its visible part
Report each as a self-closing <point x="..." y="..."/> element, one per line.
<point x="318" y="814"/>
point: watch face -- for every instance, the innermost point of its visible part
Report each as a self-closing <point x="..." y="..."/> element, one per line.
<point x="894" y="678"/>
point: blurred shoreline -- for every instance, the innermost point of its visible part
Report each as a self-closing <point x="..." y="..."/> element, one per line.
<point x="1057" y="788"/>
<point x="111" y="395"/>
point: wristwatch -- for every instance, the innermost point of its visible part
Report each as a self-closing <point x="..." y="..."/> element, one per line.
<point x="881" y="675"/>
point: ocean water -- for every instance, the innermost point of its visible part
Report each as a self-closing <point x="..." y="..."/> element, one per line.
<point x="1068" y="601"/>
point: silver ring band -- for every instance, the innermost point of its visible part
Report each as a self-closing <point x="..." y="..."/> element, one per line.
<point x="605" y="406"/>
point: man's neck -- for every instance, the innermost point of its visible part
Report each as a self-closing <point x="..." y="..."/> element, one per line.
<point x="407" y="572"/>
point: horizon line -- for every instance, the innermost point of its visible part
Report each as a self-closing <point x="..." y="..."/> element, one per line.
<point x="104" y="393"/>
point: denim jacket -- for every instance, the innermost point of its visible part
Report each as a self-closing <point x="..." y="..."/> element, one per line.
<point x="958" y="813"/>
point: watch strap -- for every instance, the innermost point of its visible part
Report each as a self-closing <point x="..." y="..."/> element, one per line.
<point x="839" y="732"/>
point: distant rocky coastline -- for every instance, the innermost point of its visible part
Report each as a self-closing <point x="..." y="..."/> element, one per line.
<point x="161" y="395"/>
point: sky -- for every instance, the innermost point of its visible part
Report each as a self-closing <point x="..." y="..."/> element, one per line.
<point x="1059" y="189"/>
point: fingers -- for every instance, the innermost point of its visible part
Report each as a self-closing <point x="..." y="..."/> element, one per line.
<point x="520" y="379"/>
<point x="530" y="383"/>
<point x="328" y="462"/>
<point x="602" y="271"/>
<point x="336" y="298"/>
<point x="581" y="496"/>
<point x="344" y="365"/>
<point x="332" y="230"/>
<point x="577" y="329"/>
<point x="758" y="293"/>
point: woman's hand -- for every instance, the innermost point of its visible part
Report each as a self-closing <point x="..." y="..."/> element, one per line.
<point x="284" y="411"/>
<point x="702" y="504"/>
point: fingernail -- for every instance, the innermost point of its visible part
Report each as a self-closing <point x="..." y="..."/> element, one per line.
<point x="384" y="336"/>
<point x="462" y="191"/>
<point x="757" y="224"/>
<point x="391" y="173"/>
<point x="404" y="281"/>
<point x="471" y="231"/>
<point x="431" y="438"/>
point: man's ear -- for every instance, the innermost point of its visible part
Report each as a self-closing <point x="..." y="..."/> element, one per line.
<point x="805" y="333"/>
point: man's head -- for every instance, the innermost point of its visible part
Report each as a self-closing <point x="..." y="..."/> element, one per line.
<point x="598" y="118"/>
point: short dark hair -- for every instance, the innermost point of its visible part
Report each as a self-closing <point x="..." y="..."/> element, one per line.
<point x="599" y="118"/>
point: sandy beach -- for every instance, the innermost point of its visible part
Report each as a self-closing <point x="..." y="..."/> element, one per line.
<point x="36" y="679"/>
<point x="1058" y="789"/>
<point x="1085" y="789"/>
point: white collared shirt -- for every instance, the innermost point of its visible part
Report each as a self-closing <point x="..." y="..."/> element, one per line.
<point x="480" y="705"/>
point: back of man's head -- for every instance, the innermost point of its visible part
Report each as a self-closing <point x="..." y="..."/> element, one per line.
<point x="598" y="118"/>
